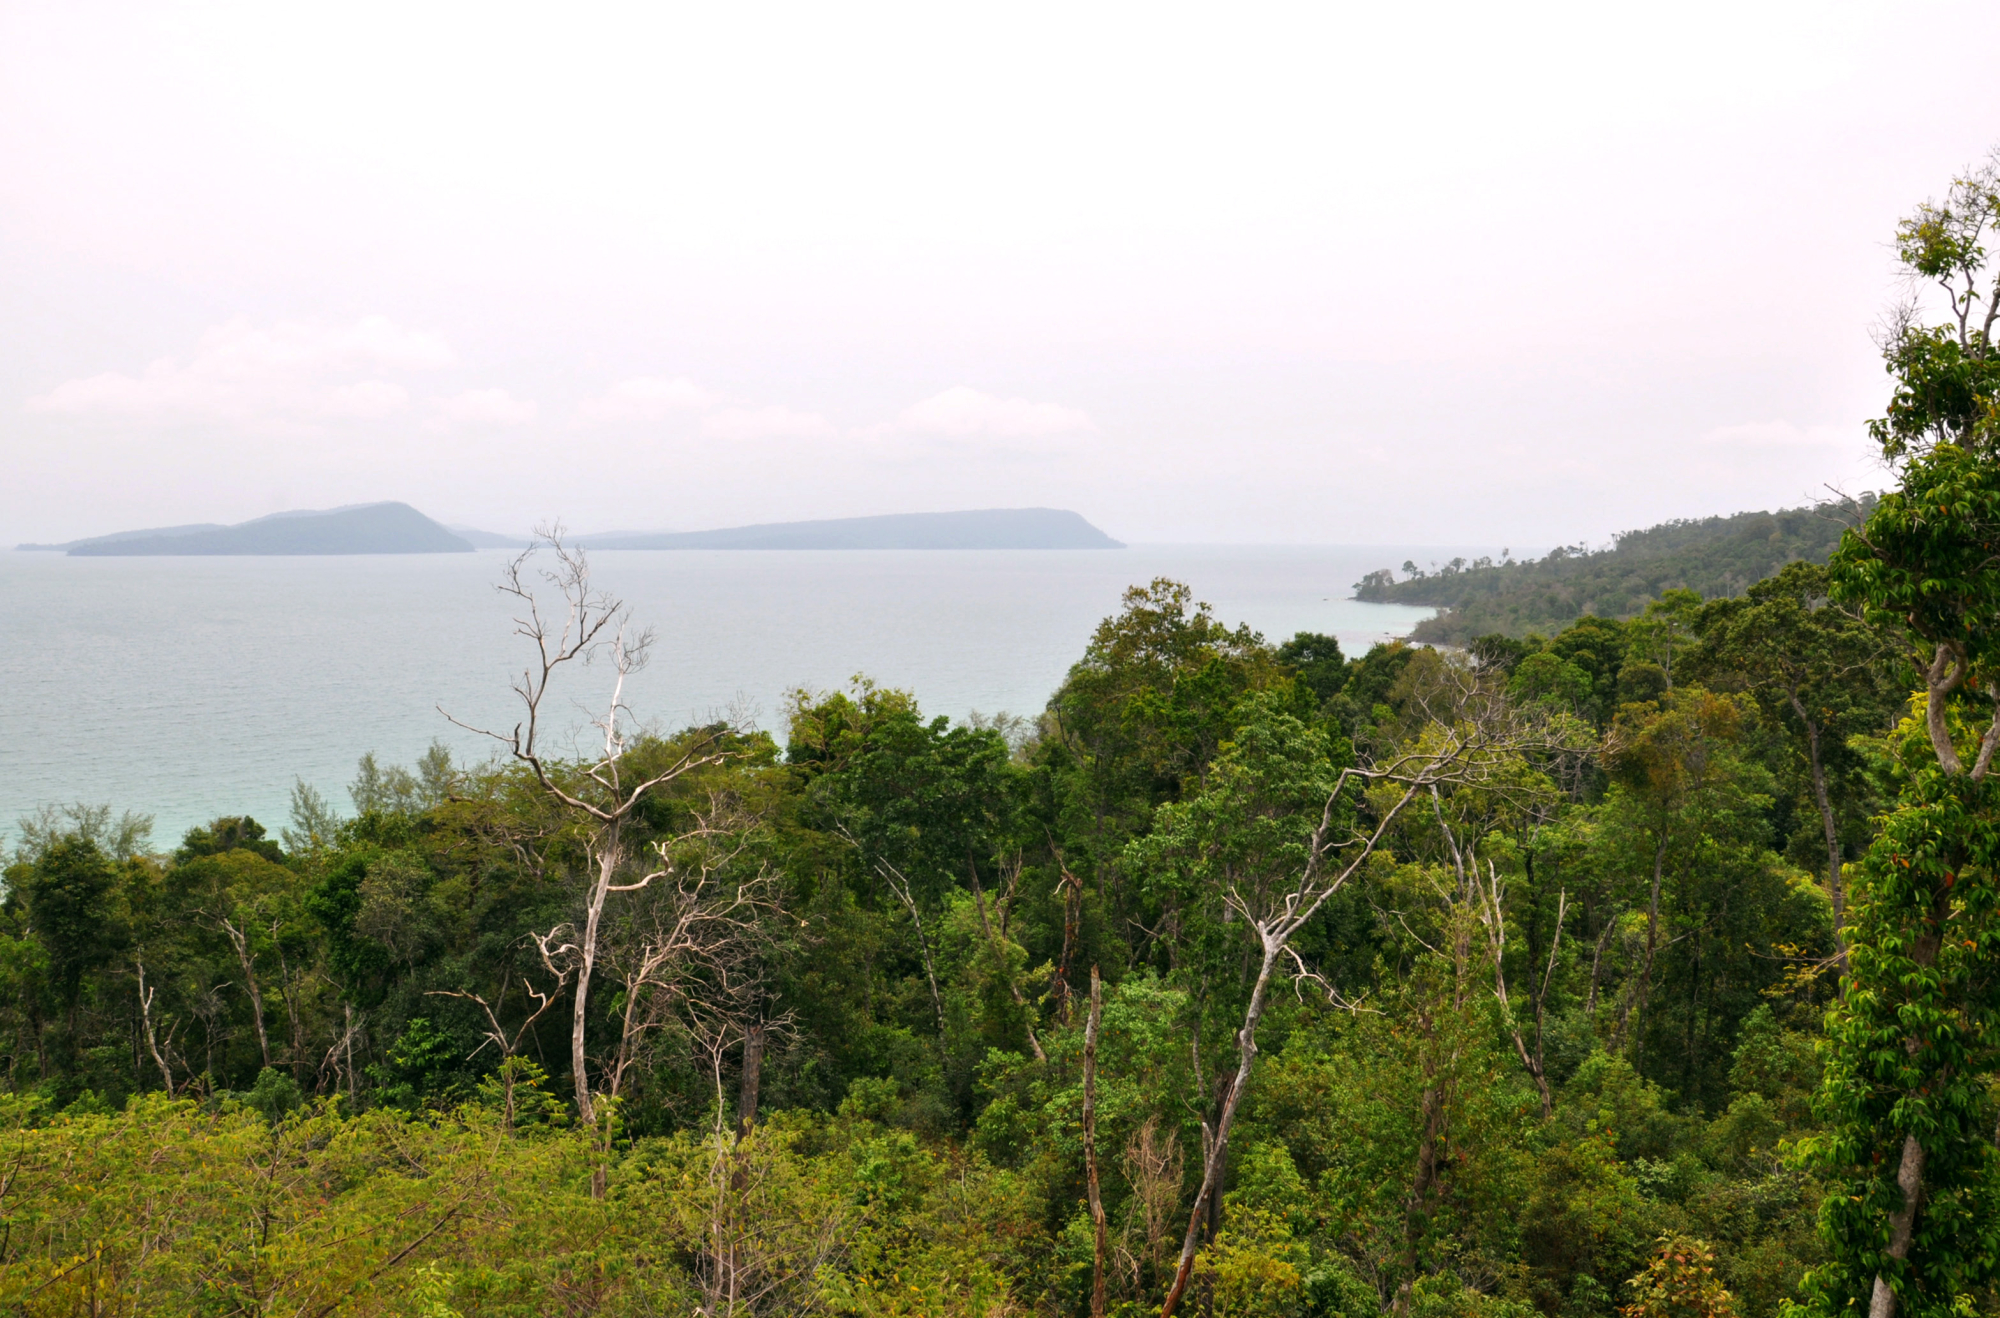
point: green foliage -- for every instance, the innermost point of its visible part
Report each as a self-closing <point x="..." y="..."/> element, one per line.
<point x="1713" y="557"/>
<point x="1317" y="663"/>
<point x="1923" y="561"/>
<point x="229" y="833"/>
<point x="1680" y="1282"/>
<point x="1912" y="1219"/>
<point x="935" y="896"/>
<point x="1909" y="1053"/>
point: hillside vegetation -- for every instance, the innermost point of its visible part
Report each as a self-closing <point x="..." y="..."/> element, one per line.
<point x="1712" y="556"/>
<point x="881" y="1005"/>
<point x="1645" y="969"/>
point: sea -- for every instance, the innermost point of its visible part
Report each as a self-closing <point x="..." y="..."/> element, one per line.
<point x="187" y="688"/>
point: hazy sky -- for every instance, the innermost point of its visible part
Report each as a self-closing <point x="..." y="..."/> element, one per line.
<point x="1467" y="273"/>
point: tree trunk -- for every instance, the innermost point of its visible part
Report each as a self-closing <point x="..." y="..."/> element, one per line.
<point x="1635" y="1001"/>
<point x="607" y="868"/>
<point x="753" y="1077"/>
<point x="1821" y="798"/>
<point x="907" y="895"/>
<point x="1910" y="1169"/>
<point x="998" y="945"/>
<point x="152" y="1045"/>
<point x="1246" y="1052"/>
<point x="1596" y="964"/>
<point x="242" y="944"/>
<point x="1072" y="890"/>
<point x="1947" y="670"/>
<point x="298" y="1039"/>
<point x="1531" y="1059"/>
<point x="1415" y="1209"/>
<point x="1090" y="1142"/>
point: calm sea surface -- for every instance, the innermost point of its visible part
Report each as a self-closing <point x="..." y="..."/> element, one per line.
<point x="192" y="687"/>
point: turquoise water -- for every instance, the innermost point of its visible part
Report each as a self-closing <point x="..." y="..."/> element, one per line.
<point x="192" y="687"/>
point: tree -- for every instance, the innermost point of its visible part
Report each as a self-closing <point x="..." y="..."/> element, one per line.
<point x="1671" y="761"/>
<point x="1913" y="1217"/>
<point x="1946" y="376"/>
<point x="249" y="899"/>
<point x="1816" y="668"/>
<point x="1680" y="1282"/>
<point x="1318" y="663"/>
<point x="67" y="890"/>
<point x="606" y="793"/>
<point x="1279" y="830"/>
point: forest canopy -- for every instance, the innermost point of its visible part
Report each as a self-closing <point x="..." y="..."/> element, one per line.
<point x="1712" y="556"/>
<point x="1532" y="942"/>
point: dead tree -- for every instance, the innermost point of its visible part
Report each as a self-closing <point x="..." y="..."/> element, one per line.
<point x="1491" y="896"/>
<point x="701" y="925"/>
<point x="239" y="939"/>
<point x="152" y="1040"/>
<point x="1487" y="894"/>
<point x="906" y="893"/>
<point x="508" y="1042"/>
<point x="734" y="1265"/>
<point x="600" y="793"/>
<point x="1467" y="734"/>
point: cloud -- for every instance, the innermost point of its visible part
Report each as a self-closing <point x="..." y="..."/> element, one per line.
<point x="646" y="398"/>
<point x="290" y="372"/>
<point x="481" y="407"/>
<point x="963" y="413"/>
<point x="766" y="423"/>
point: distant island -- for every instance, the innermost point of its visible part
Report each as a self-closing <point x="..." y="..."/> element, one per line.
<point x="374" y="528"/>
<point x="985" y="528"/>
<point x="397" y="528"/>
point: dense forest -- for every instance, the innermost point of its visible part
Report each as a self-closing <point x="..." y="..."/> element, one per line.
<point x="1712" y="556"/>
<point x="1559" y="1003"/>
<point x="1642" y="967"/>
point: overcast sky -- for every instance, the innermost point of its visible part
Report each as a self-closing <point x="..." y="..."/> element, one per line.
<point x="1345" y="273"/>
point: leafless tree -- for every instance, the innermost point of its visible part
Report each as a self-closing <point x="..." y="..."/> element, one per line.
<point x="289" y="990"/>
<point x="339" y="1058"/>
<point x="152" y="1039"/>
<point x="746" y="1263"/>
<point x="1466" y="734"/>
<point x="1154" y="1169"/>
<point x="239" y="939"/>
<point x="508" y="1041"/>
<point x="899" y="883"/>
<point x="1491" y="895"/>
<point x="584" y="625"/>
<point x="1487" y="894"/>
<point x="699" y="927"/>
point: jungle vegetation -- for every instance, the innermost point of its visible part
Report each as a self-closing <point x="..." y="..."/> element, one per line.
<point x="1644" y="965"/>
<point x="1712" y="556"/>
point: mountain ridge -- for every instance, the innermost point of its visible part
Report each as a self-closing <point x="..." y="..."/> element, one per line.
<point x="369" y="528"/>
<point x="978" y="528"/>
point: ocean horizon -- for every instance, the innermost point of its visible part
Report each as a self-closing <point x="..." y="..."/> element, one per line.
<point x="186" y="688"/>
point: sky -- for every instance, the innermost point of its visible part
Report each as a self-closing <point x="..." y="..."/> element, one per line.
<point x="1324" y="273"/>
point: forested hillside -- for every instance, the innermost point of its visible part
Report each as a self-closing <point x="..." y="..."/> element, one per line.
<point x="1712" y="556"/>
<point x="1644" y="967"/>
<point x="1532" y="950"/>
